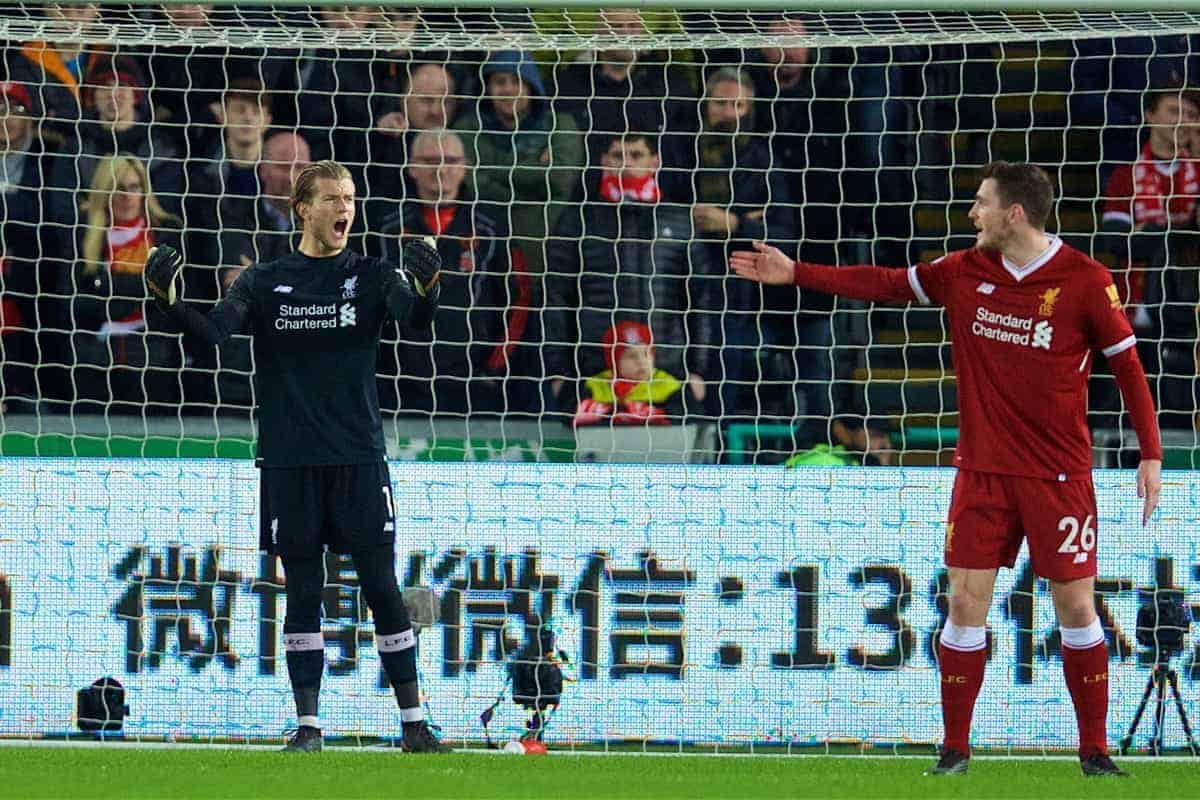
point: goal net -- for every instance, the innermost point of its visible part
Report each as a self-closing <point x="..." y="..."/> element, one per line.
<point x="587" y="173"/>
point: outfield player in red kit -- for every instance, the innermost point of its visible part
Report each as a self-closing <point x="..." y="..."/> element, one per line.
<point x="1026" y="315"/>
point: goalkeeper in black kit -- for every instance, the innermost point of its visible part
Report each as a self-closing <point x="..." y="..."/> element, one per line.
<point x="316" y="317"/>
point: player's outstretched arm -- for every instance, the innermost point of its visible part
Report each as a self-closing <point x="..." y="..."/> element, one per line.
<point x="162" y="272"/>
<point x="767" y="264"/>
<point x="413" y="293"/>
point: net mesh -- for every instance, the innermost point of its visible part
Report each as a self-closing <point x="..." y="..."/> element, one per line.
<point x="861" y="144"/>
<point x="579" y="29"/>
<point x="844" y="137"/>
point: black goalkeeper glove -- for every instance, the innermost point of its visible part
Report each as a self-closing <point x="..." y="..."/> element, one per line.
<point x="162" y="275"/>
<point x="423" y="264"/>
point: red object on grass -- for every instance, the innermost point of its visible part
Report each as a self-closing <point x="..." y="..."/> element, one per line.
<point x="533" y="747"/>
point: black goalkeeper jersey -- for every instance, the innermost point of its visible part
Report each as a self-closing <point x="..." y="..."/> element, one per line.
<point x="316" y="324"/>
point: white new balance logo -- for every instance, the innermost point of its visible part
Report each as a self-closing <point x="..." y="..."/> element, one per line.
<point x="986" y="288"/>
<point x="1042" y="334"/>
<point x="347" y="315"/>
<point x="283" y="289"/>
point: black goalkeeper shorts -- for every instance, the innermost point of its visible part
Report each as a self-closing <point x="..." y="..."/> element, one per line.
<point x="304" y="511"/>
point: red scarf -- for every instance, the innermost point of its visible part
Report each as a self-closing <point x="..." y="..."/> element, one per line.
<point x="643" y="189"/>
<point x="438" y="218"/>
<point x="1157" y="193"/>
<point x="627" y="413"/>
<point x="129" y="246"/>
<point x="638" y="413"/>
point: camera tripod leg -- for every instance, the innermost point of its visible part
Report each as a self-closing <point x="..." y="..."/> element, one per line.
<point x="1183" y="717"/>
<point x="1137" y="717"/>
<point x="1161" y="675"/>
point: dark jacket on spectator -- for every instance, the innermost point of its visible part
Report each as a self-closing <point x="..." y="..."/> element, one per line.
<point x="814" y="146"/>
<point x="656" y="94"/>
<point x="79" y="156"/>
<point x="254" y="232"/>
<point x="185" y="82"/>
<point x="56" y="84"/>
<point x="531" y="171"/>
<point x="485" y="310"/>
<point x="612" y="261"/>
<point x="31" y="266"/>
<point x="1109" y="76"/>
<point x="32" y="245"/>
<point x="337" y="91"/>
<point x="756" y="191"/>
<point x="1179" y="382"/>
<point x="220" y="196"/>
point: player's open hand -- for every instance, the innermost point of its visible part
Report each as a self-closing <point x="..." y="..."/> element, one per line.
<point x="422" y="262"/>
<point x="765" y="264"/>
<point x="1149" y="486"/>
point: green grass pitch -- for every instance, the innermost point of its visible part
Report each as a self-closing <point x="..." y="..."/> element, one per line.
<point x="130" y="773"/>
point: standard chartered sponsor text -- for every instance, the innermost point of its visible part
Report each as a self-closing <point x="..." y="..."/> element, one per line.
<point x="1001" y="327"/>
<point x="306" y="314"/>
<point x="1004" y="320"/>
<point x="306" y="311"/>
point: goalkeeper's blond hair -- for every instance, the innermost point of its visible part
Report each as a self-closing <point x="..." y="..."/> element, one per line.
<point x="306" y="181"/>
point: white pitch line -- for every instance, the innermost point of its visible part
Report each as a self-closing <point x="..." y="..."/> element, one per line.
<point x="380" y="749"/>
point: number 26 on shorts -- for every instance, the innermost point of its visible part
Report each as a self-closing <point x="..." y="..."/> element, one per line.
<point x="1079" y="541"/>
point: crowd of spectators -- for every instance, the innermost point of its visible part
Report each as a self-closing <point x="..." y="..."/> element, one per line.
<point x="584" y="204"/>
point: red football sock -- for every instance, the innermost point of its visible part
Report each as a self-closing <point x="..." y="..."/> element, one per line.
<point x="962" y="675"/>
<point x="1086" y="670"/>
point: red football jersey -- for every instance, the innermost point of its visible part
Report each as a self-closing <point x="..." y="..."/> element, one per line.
<point x="1023" y="340"/>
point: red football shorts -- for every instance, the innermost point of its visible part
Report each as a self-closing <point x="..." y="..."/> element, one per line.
<point x="990" y="515"/>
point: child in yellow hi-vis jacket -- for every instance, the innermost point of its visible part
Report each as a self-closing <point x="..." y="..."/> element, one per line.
<point x="632" y="391"/>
